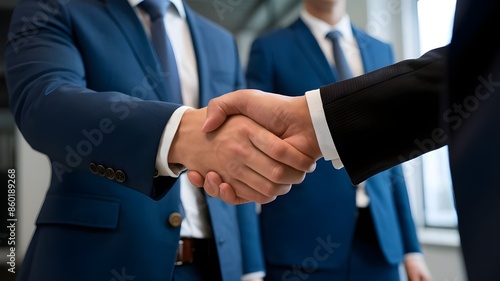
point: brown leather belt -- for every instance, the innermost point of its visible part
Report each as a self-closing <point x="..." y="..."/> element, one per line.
<point x="193" y="250"/>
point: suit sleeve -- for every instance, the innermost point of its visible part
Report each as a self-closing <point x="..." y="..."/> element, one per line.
<point x="387" y="116"/>
<point x="61" y="117"/>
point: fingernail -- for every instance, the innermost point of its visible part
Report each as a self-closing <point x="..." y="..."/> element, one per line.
<point x="312" y="168"/>
<point x="211" y="180"/>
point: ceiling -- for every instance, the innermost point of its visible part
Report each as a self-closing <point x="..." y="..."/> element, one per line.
<point x="244" y="18"/>
<point x="235" y="15"/>
<point x="245" y="15"/>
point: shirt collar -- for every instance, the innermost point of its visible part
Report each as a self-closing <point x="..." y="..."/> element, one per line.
<point x="178" y="4"/>
<point x="320" y="28"/>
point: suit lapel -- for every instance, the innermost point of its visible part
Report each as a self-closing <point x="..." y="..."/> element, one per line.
<point x="364" y="43"/>
<point x="310" y="49"/>
<point x="201" y="56"/>
<point x="130" y="25"/>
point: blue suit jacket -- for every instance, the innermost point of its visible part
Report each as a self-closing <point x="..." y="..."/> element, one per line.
<point x="320" y="213"/>
<point x="85" y="87"/>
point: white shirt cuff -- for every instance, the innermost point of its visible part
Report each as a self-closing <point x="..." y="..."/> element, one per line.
<point x="253" y="275"/>
<point x="414" y="255"/>
<point x="164" y="169"/>
<point x="321" y="129"/>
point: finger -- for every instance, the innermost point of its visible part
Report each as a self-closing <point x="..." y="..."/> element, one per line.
<point x="245" y="163"/>
<point x="214" y="186"/>
<point x="228" y="195"/>
<point x="195" y="178"/>
<point x="271" y="170"/>
<point x="220" y="108"/>
<point x="253" y="185"/>
<point x="211" y="184"/>
<point x="239" y="193"/>
<point x="260" y="174"/>
<point x="282" y="151"/>
<point x="414" y="276"/>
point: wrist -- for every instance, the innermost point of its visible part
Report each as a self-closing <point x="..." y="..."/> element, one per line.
<point x="189" y="129"/>
<point x="413" y="255"/>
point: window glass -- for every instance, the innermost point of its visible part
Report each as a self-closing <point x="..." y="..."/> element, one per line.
<point x="435" y="22"/>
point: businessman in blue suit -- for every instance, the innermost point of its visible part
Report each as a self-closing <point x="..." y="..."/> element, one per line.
<point x="364" y="231"/>
<point x="87" y="90"/>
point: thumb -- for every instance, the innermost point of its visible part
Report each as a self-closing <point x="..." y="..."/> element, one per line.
<point x="220" y="108"/>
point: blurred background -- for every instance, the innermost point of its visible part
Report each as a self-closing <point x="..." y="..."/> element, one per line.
<point x="411" y="26"/>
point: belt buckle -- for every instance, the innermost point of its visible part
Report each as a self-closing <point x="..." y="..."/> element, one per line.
<point x="180" y="253"/>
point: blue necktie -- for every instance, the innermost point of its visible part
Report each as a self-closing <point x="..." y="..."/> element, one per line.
<point x="341" y="64"/>
<point x="156" y="10"/>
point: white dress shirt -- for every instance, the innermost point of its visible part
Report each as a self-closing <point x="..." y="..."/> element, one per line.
<point x="196" y="222"/>
<point x="348" y="42"/>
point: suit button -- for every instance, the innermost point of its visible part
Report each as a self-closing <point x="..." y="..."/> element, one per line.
<point x="175" y="219"/>
<point x="156" y="173"/>
<point x="120" y="176"/>
<point x="110" y="173"/>
<point x="101" y="170"/>
<point x="93" y="168"/>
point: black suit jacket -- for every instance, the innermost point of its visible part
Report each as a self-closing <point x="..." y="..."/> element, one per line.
<point x="450" y="97"/>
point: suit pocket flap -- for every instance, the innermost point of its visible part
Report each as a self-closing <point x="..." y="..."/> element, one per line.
<point x="80" y="211"/>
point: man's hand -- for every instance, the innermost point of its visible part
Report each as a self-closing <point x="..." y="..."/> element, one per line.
<point x="287" y="117"/>
<point x="416" y="269"/>
<point x="257" y="163"/>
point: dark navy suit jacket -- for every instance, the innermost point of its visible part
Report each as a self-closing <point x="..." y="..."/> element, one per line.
<point x="321" y="211"/>
<point x="85" y="87"/>
<point x="450" y="97"/>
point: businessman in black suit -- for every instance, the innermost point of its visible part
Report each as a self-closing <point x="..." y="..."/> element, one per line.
<point x="449" y="96"/>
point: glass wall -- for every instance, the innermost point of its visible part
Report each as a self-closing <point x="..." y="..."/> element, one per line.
<point x="435" y="22"/>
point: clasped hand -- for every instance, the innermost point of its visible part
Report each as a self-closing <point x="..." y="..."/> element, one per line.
<point x="259" y="144"/>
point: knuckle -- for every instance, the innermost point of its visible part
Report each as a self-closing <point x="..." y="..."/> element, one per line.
<point x="234" y="169"/>
<point x="278" y="173"/>
<point x="277" y="149"/>
<point x="240" y="150"/>
<point x="269" y="189"/>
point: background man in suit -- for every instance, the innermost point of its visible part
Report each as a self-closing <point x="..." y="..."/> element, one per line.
<point x="449" y="96"/>
<point x="371" y="224"/>
<point x="87" y="89"/>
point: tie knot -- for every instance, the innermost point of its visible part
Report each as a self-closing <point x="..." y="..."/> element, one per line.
<point x="334" y="35"/>
<point x="155" y="8"/>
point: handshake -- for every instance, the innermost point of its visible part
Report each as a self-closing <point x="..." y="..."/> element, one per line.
<point x="251" y="145"/>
